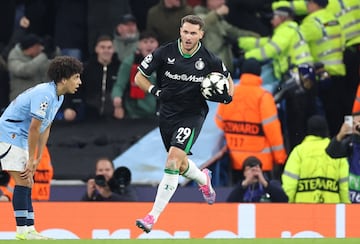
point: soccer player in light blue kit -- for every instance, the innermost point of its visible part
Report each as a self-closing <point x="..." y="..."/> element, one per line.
<point x="25" y="127"/>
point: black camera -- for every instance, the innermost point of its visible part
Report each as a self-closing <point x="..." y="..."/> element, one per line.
<point x="357" y="128"/>
<point x="121" y="178"/>
<point x="100" y="180"/>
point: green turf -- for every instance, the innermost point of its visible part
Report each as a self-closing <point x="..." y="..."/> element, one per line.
<point x="200" y="241"/>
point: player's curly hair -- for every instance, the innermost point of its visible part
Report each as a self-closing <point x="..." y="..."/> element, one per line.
<point x="63" y="67"/>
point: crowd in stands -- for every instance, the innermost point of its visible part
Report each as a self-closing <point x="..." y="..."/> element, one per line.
<point x="312" y="48"/>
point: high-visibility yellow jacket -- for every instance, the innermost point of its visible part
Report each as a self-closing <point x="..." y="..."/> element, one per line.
<point x="312" y="176"/>
<point x="356" y="107"/>
<point x="323" y="33"/>
<point x="298" y="6"/>
<point x="251" y="125"/>
<point x="286" y="48"/>
<point x="346" y="11"/>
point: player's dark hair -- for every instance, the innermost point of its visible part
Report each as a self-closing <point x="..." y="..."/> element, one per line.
<point x="63" y="67"/>
<point x="193" y="19"/>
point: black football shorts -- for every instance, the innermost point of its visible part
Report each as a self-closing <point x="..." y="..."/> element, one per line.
<point x="181" y="132"/>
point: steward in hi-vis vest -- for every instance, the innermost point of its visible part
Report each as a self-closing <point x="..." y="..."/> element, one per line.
<point x="250" y="123"/>
<point x="310" y="174"/>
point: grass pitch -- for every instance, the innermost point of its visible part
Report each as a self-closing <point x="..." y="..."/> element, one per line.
<point x="199" y="241"/>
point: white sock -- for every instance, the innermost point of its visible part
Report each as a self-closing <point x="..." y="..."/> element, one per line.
<point x="21" y="229"/>
<point x="165" y="191"/>
<point x="194" y="173"/>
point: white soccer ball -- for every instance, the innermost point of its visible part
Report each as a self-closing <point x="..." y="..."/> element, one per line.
<point x="212" y="84"/>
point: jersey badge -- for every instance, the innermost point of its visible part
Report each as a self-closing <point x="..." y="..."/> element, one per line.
<point x="199" y="65"/>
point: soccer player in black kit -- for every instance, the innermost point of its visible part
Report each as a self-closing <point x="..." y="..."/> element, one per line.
<point x="181" y="66"/>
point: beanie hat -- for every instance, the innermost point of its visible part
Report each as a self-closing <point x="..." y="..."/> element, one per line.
<point x="30" y="40"/>
<point x="126" y="18"/>
<point x="251" y="66"/>
<point x="317" y="126"/>
<point x="321" y="3"/>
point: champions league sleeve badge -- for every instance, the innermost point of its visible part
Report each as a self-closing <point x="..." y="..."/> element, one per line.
<point x="43" y="107"/>
<point x="147" y="60"/>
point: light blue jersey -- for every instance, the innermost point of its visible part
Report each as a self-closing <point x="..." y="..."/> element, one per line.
<point x="39" y="102"/>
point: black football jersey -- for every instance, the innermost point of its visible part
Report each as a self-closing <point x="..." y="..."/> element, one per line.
<point x="179" y="77"/>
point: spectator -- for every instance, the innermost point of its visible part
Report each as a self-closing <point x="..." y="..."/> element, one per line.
<point x="255" y="187"/>
<point x="310" y="174"/>
<point x="322" y="31"/>
<point x="98" y="78"/>
<point x="129" y="100"/>
<point x="287" y="50"/>
<point x="220" y="35"/>
<point x="347" y="144"/>
<point x="163" y="19"/>
<point x="126" y="37"/>
<point x="107" y="185"/>
<point x="27" y="64"/>
<point x="102" y="18"/>
<point x="251" y="125"/>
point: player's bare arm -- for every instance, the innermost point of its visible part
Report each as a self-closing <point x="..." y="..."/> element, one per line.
<point x="33" y="139"/>
<point x="42" y="142"/>
<point x="231" y="86"/>
<point x="142" y="82"/>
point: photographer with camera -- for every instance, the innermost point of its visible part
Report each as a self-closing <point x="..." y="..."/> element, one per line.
<point x="255" y="186"/>
<point x="109" y="184"/>
<point x="347" y="144"/>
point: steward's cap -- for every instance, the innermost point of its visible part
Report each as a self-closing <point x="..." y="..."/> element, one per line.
<point x="284" y="11"/>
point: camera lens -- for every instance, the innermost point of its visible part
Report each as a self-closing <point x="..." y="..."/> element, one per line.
<point x="100" y="180"/>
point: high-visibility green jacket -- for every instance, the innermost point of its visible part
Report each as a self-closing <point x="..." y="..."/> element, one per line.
<point x="286" y="47"/>
<point x="346" y="11"/>
<point x="298" y="6"/>
<point x="322" y="31"/>
<point x="312" y="176"/>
